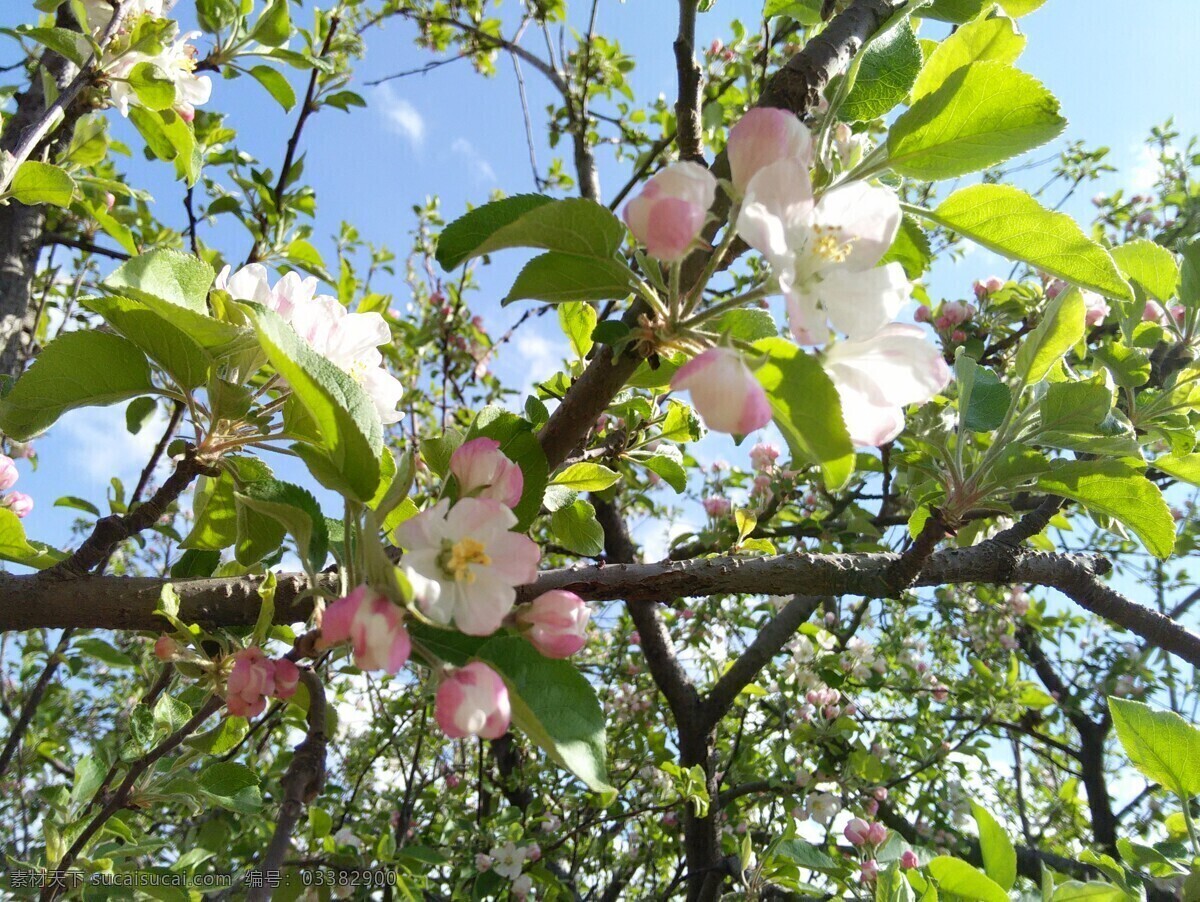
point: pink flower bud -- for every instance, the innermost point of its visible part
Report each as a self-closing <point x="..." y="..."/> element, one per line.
<point x="856" y="831"/>
<point x="109" y="200"/>
<point x="533" y="852"/>
<point x="941" y="693"/>
<point x="186" y="112"/>
<point x="870" y="871"/>
<point x="166" y="649"/>
<point x="908" y="860"/>
<point x="1097" y="309"/>
<point x="687" y="613"/>
<point x="482" y="470"/>
<point x="880" y="792"/>
<point x="669" y="213"/>
<point x="483" y="862"/>
<point x="724" y="391"/>
<point x="8" y="473"/>
<point x="958" y="336"/>
<point x="373" y="625"/>
<point x="635" y="638"/>
<point x="715" y="47"/>
<point x="250" y="681"/>
<point x="764" y="136"/>
<point x="287" y="677"/>
<point x="957" y="312"/>
<point x="1054" y="288"/>
<point x="19" y="503"/>
<point x="717" y="507"/>
<point x="871" y="807"/>
<point x="472" y="701"/>
<point x="556" y="623"/>
<point x="923" y="314"/>
<point x="877" y="834"/>
<point x="452" y="781"/>
<point x="763" y="456"/>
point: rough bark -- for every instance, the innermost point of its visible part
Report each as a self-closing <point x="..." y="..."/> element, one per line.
<point x="21" y="226"/>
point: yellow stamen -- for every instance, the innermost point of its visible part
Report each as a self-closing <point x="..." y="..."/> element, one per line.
<point x="828" y="247"/>
<point x="458" y="558"/>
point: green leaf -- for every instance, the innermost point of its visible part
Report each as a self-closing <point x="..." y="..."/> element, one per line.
<point x="886" y="73"/>
<point x="153" y="86"/>
<point x="89" y="141"/>
<point x="169" y="138"/>
<point x="79" y="369"/>
<point x="296" y="510"/>
<point x="168" y="345"/>
<point x="1074" y="891"/>
<point x="575" y="527"/>
<point x="965" y="882"/>
<point x="1150" y="267"/>
<point x="586" y="477"/>
<point x="1159" y="743"/>
<point x="231" y="785"/>
<point x="274" y="26"/>
<point x="957" y="11"/>
<point x="999" y="856"/>
<point x="63" y="41"/>
<point x="89" y="774"/>
<point x="806" y="12"/>
<point x="276" y="84"/>
<point x="1019" y="8"/>
<point x="1181" y="466"/>
<point x="982" y="115"/>
<point x="556" y="277"/>
<point x="103" y="652"/>
<point x="554" y="706"/>
<point x="983" y="399"/>
<point x="1008" y="221"/>
<point x="1116" y="488"/>
<point x="578" y="321"/>
<point x="437" y="450"/>
<point x="164" y="274"/>
<point x="221" y="738"/>
<point x="345" y="455"/>
<point x="1075" y="406"/>
<point x="574" y="226"/>
<point x="1061" y="328"/>
<point x="746" y="324"/>
<point x="37" y="183"/>
<point x="1189" y="274"/>
<point x="214" y="508"/>
<point x="667" y="462"/>
<point x="995" y="39"/>
<point x="807" y="409"/>
<point x="139" y="413"/>
<point x="910" y="248"/>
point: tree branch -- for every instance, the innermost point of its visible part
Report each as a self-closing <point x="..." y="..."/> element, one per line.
<point x="302" y="783"/>
<point x="687" y="106"/>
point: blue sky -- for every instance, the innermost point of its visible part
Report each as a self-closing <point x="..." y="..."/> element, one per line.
<point x="1117" y="68"/>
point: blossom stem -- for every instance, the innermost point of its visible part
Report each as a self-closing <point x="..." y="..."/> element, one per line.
<point x="741" y="300"/>
<point x="696" y="291"/>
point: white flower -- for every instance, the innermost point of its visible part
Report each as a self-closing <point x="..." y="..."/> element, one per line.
<point x="464" y="562"/>
<point x="876" y="376"/>
<point x="177" y="61"/>
<point x="825" y="252"/>
<point x="100" y="12"/>
<point x="508" y="860"/>
<point x="822" y="807"/>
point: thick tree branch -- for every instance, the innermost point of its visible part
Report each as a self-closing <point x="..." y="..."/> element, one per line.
<point x="302" y="783"/>
<point x="687" y="106"/>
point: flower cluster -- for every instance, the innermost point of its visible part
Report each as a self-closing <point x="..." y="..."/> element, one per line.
<point x="253" y="678"/>
<point x="350" y="341"/>
<point x="463" y="561"/>
<point x="824" y="250"/>
<point x="173" y="60"/>
<point x="17" y="502"/>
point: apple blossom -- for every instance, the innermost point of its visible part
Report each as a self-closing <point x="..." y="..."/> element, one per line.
<point x="508" y="860"/>
<point x="8" y="473"/>
<point x="823" y="807"/>
<point x="556" y="623"/>
<point x="763" y="136"/>
<point x="1097" y="309"/>
<point x="876" y="833"/>
<point x="166" y="649"/>
<point x="763" y="456"/>
<point x="374" y="626"/>
<point x="464" y="562"/>
<point x="177" y="61"/>
<point x="100" y="12"/>
<point x="669" y="213"/>
<point x="824" y="253"/>
<point x="870" y="870"/>
<point x="483" y="471"/>
<point x="250" y="681"/>
<point x="19" y="503"/>
<point x="473" y="701"/>
<point x="717" y="507"/>
<point x="856" y="832"/>
<point x="287" y="677"/>
<point x="522" y="886"/>
<point x="878" y="375"/>
<point x="987" y="286"/>
<point x="909" y="860"/>
<point x="724" y="391"/>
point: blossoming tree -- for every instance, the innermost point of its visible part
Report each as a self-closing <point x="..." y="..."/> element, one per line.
<point x="900" y="660"/>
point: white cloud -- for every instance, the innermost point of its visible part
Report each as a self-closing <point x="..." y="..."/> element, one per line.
<point x="400" y="116"/>
<point x="101" y="447"/>
<point x="480" y="167"/>
<point x="538" y="358"/>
